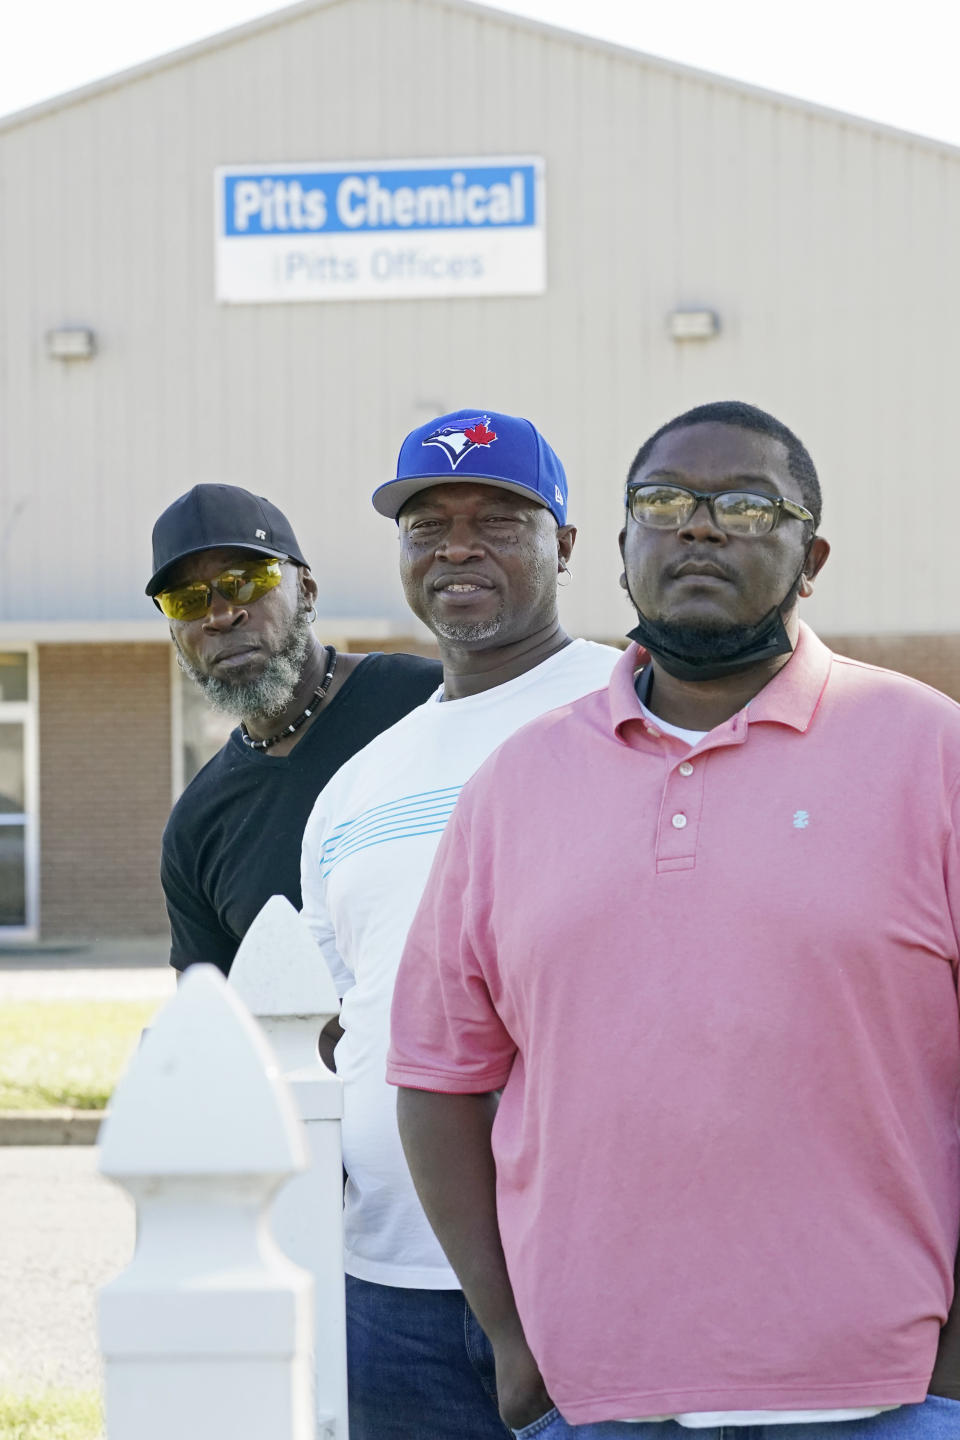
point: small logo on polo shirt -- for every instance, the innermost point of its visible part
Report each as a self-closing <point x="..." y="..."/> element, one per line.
<point x="801" y="819"/>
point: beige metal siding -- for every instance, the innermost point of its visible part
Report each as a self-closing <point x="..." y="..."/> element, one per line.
<point x="828" y="248"/>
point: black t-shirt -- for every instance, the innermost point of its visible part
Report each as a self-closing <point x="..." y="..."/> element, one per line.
<point x="233" y="838"/>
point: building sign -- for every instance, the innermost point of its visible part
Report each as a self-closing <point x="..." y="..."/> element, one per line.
<point x="390" y="229"/>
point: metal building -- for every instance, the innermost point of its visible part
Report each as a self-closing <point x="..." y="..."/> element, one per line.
<point x="702" y="240"/>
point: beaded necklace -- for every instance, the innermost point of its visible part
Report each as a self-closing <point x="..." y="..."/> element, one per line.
<point x="316" y="698"/>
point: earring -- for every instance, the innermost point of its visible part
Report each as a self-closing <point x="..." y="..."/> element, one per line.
<point x="564" y="570"/>
<point x="311" y="614"/>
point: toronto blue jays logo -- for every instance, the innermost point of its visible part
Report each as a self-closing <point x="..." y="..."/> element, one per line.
<point x="458" y="440"/>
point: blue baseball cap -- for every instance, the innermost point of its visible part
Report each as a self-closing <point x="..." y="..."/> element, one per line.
<point x="482" y="445"/>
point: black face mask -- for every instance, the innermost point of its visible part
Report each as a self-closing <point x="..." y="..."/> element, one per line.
<point x="748" y="645"/>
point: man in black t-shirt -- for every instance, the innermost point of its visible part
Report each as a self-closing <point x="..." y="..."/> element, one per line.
<point x="230" y="577"/>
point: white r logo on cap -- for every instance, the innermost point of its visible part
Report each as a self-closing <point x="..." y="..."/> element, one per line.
<point x="261" y="534"/>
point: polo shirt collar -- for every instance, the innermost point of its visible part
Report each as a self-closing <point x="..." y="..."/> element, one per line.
<point x="790" y="698"/>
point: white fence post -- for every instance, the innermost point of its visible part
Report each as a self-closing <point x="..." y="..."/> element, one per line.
<point x="283" y="980"/>
<point x="208" y="1330"/>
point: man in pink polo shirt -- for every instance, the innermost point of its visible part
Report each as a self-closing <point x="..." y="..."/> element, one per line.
<point x="700" y="929"/>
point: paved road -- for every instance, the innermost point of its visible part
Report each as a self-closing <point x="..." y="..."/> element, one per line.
<point x="157" y="983"/>
<point x="63" y="1231"/>
<point x="107" y="970"/>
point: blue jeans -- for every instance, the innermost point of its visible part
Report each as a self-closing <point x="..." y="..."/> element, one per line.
<point x="418" y="1366"/>
<point x="935" y="1419"/>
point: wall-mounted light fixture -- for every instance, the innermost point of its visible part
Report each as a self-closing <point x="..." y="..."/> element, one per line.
<point x="694" y="324"/>
<point x="71" y="343"/>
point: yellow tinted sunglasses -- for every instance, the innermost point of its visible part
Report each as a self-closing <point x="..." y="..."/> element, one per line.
<point x="239" y="585"/>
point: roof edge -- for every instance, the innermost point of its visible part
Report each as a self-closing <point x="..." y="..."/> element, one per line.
<point x="288" y="13"/>
<point x="343" y="628"/>
<point x="165" y="61"/>
<point x="710" y="77"/>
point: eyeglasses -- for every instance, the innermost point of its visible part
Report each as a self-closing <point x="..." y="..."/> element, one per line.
<point x="240" y="585"/>
<point x="736" y="512"/>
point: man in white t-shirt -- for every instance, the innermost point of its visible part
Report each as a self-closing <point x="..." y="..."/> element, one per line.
<point x="480" y="501"/>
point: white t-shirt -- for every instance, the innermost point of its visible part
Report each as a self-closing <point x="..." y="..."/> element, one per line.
<point x="692" y="737"/>
<point x="367" y="851"/>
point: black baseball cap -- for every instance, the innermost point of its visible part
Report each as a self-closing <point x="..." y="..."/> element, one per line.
<point x="219" y="517"/>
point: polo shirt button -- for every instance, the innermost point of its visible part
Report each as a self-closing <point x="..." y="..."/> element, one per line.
<point x="685" y="768"/>
<point x="679" y="821"/>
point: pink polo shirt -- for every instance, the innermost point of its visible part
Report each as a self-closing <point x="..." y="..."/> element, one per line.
<point x="718" y="989"/>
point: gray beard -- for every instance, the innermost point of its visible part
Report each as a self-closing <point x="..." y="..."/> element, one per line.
<point x="274" y="688"/>
<point x="468" y="631"/>
<point x="473" y="632"/>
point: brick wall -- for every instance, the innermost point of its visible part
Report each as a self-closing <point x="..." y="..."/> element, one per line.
<point x="105" y="786"/>
<point x="393" y="646"/>
<point x="105" y="782"/>
<point x="934" y="659"/>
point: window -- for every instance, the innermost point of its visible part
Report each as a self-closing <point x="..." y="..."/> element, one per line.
<point x="198" y="731"/>
<point x="18" y="789"/>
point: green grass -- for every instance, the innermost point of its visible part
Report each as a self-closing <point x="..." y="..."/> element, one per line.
<point x="66" y="1052"/>
<point x="50" y="1415"/>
